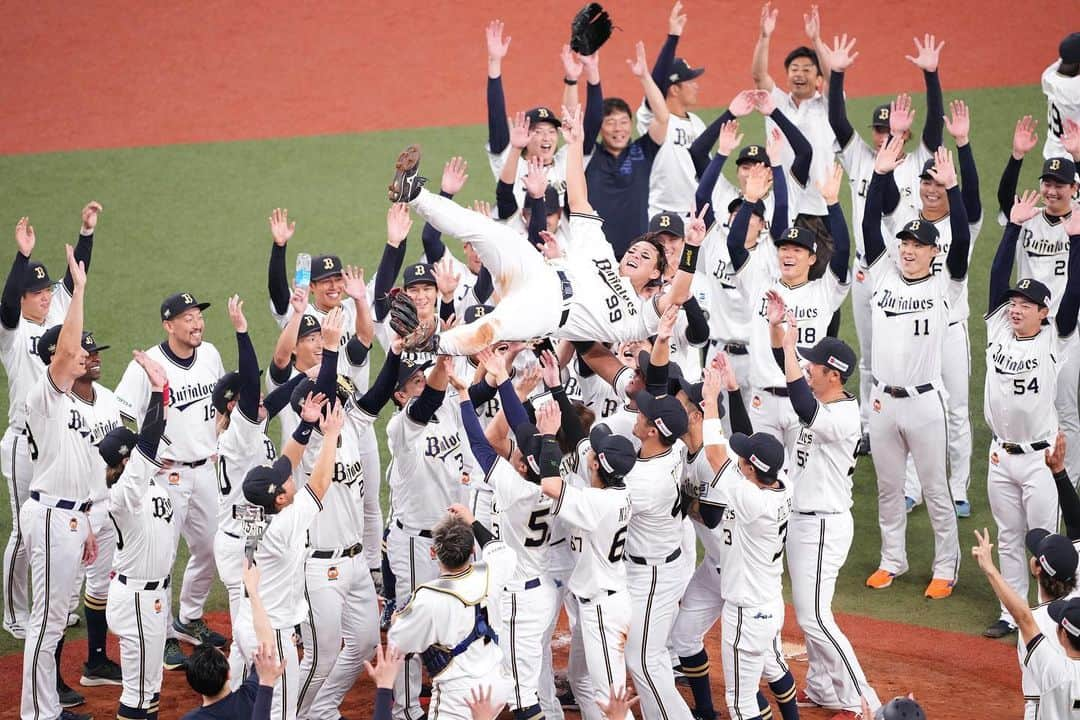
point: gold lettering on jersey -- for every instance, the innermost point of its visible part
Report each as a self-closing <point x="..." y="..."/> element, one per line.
<point x="900" y="305"/>
<point x="800" y="313"/>
<point x="1006" y="364"/>
<point x="1042" y="246"/>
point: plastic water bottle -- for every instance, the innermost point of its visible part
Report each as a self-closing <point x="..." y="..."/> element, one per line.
<point x="303" y="270"/>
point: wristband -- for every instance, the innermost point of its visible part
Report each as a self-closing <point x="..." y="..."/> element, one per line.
<point x="688" y="260"/>
<point x="302" y="433"/>
<point x="1062" y="476"/>
<point x="567" y="81"/>
<point x="712" y="432"/>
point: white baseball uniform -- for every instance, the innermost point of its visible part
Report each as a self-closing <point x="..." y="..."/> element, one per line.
<point x="820" y="533"/>
<point x="55" y="527"/>
<point x="1062" y="103"/>
<point x="139" y="597"/>
<point x="445" y="619"/>
<point x="673" y="178"/>
<point x="556" y="172"/>
<point x="655" y="579"/>
<point x="18" y="353"/>
<point x="1055" y="675"/>
<point x="189" y="442"/>
<point x="1028" y="682"/>
<point x="811" y="117"/>
<point x="752" y="586"/>
<point x="1020" y="387"/>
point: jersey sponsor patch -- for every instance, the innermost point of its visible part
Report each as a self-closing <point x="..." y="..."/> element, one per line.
<point x="332" y="573"/>
<point x="73" y="525"/>
<point x="877" y="406"/>
<point x="994" y="459"/>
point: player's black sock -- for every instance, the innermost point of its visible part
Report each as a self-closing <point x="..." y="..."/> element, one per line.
<point x="135" y="713"/>
<point x="696" y="669"/>
<point x="533" y="712"/>
<point x="96" y="627"/>
<point x="60" y="684"/>
<point x="784" y="692"/>
<point x="765" y="710"/>
<point x="389" y="582"/>
<point x="152" y="711"/>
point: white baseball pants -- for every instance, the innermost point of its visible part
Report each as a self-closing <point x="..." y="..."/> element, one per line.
<point x="1068" y="380"/>
<point x="862" y="290"/>
<point x="412" y="565"/>
<point x="18" y="471"/>
<point x="139" y="618"/>
<point x="917" y="426"/>
<point x="448" y="698"/>
<point x="605" y="627"/>
<point x="98" y="575"/>
<point x="229" y="558"/>
<point x="774" y="414"/>
<point x="817" y="547"/>
<point x="700" y="608"/>
<point x="1022" y="496"/>
<point x="194" y="496"/>
<point x="527" y="618"/>
<point x="751" y="651"/>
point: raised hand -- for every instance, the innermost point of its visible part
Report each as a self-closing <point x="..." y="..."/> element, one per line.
<point x="280" y="227"/>
<point x="236" y="314"/>
<point x="388" y="663"/>
<point x="943" y="170"/>
<point x="572" y="130"/>
<point x="480" y="705"/>
<point x="768" y="20"/>
<point x="267" y="665"/>
<point x="311" y="409"/>
<point x="723" y="366"/>
<point x="619" y="703"/>
<point x="729" y="138"/>
<point x="572" y="65"/>
<point x="1055" y="458"/>
<point x="1025" y="208"/>
<point x="446" y="280"/>
<point x="497" y="46"/>
<point x="695" y="229"/>
<point x="901" y="115"/>
<point x="76" y="269"/>
<point x="1070" y="138"/>
<point x="775" y="309"/>
<point x="758" y="180"/>
<point x="743" y="103"/>
<point x="333" y="419"/>
<point x="927" y="53"/>
<point x="639" y="65"/>
<point x="536" y="178"/>
<point x="763" y="102"/>
<point x="812" y="24"/>
<point x="398" y="224"/>
<point x="548" y="418"/>
<point x="354" y="282"/>
<point x="888" y="155"/>
<point x="677" y="20"/>
<point x="830" y="186"/>
<point x="958" y="122"/>
<point x="549" y="369"/>
<point x="493" y="364"/>
<point x="592" y="66"/>
<point x="982" y="550"/>
<point x="25" y="238"/>
<point x="332" y="326"/>
<point x="791" y="331"/>
<point x="774" y="147"/>
<point x="459" y="385"/>
<point x="527" y="381"/>
<point x="1024" y="137"/>
<point x="667" y="324"/>
<point x="299" y="299"/>
<point x="481" y="207"/>
<point x="90" y="216"/>
<point x="519" y="131"/>
<point x="454" y="175"/>
<point x="550" y="249"/>
<point x="712" y="383"/>
<point x="154" y="372"/>
<point x="841" y="54"/>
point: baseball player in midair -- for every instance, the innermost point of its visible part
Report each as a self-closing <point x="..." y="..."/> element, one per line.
<point x="141" y="513"/>
<point x="911" y="311"/>
<point x="55" y="521"/>
<point x="31" y="303"/>
<point x="193" y="367"/>
<point x="821" y="527"/>
<point x="1026" y="356"/>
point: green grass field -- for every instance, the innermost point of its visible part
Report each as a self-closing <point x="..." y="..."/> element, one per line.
<point x="194" y="218"/>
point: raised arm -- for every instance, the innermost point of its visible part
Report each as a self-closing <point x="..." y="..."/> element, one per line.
<point x="247" y="400"/>
<point x="1024" y="141"/>
<point x="774" y="149"/>
<point x="804" y="152"/>
<point x="84" y="246"/>
<point x="759" y="67"/>
<point x="841" y="56"/>
<point x="277" y="281"/>
<point x="1010" y="599"/>
<point x="727" y="140"/>
<point x="65" y="365"/>
<point x="679" y="291"/>
<point x="380" y="391"/>
<point x="927" y="55"/>
<point x="830" y="190"/>
<point x="1068" y="500"/>
<point x="505" y="201"/>
<point x="812" y="25"/>
<point x="323" y="471"/>
<point x="639" y="67"/>
<point x="153" y="425"/>
<point x="959" y="126"/>
<point x="455" y="174"/>
<point x="497" y="47"/>
<point x="1070" y="298"/>
<point x="398" y="224"/>
<point x="664" y="59"/>
<point x="11" y="300"/>
<point x="577" y="192"/>
<point x="594" y="101"/>
<point x="887" y="160"/>
<point x="431" y="397"/>
<point x="481" y="449"/>
<point x="364" y="326"/>
<point x="944" y="172"/>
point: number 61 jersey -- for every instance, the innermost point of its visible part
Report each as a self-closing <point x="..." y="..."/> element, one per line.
<point x="812" y="303"/>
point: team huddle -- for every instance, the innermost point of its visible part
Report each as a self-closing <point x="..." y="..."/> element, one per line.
<point x="634" y="356"/>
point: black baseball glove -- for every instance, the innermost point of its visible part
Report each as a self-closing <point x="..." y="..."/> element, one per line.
<point x="590" y="29"/>
<point x="403" y="318"/>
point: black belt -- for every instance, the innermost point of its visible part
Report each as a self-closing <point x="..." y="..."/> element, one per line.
<point x="351" y="551"/>
<point x="670" y="558"/>
<point x="153" y="585"/>
<point x="64" y="504"/>
<point x="736" y="349"/>
<point x="902" y="392"/>
<point x="421" y="533"/>
<point x="777" y="391"/>
<point x="567" y="293"/>
<point x="1015" y="449"/>
<point x="197" y="463"/>
<point x="586" y="601"/>
<point x="234" y="536"/>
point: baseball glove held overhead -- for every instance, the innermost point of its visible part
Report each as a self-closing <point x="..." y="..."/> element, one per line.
<point x="403" y="318"/>
<point x="590" y="29"/>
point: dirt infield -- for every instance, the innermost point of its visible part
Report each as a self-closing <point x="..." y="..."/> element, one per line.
<point x="122" y="74"/>
<point x="939" y="667"/>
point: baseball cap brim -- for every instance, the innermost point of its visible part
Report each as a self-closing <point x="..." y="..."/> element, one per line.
<point x="37" y="284"/>
<point x="740" y="444"/>
<point x="821" y="356"/>
<point x="1017" y="292"/>
<point x="913" y="236"/>
<point x="1034" y="538"/>
<point x="1060" y="177"/>
<point x="406" y="373"/>
<point x="693" y="74"/>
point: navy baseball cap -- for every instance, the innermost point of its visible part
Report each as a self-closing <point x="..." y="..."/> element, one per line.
<point x="675" y="372"/>
<point x="1069" y="49"/>
<point x="542" y="114"/>
<point x="1055" y="553"/>
<point x="418" y="273"/>
<point x="927" y="166"/>
<point x="694" y="391"/>
<point x="178" y="304"/>
<point x="264" y="483"/>
<point x="225" y="391"/>
<point x="832" y="353"/>
<point x="117" y="444"/>
<point x="37" y="277"/>
<point x="921" y="231"/>
<point x="89" y="344"/>
<point x="681" y="71"/>
<point x="527" y="437"/>
<point x="615" y="453"/>
<point x="667" y="222"/>
<point x="761" y="450"/>
<point x="552" y="203"/>
<point x="880" y="119"/>
<point x="46" y="344"/>
<point x="1032" y="290"/>
<point x="408" y="368"/>
<point x="324" y="266"/>
<point x="1066" y="613"/>
<point x="752" y="154"/>
<point x="665" y="412"/>
<point x="1060" y="169"/>
<point x="475" y="312"/>
<point x="757" y="207"/>
<point x="798" y="236"/>
<point x="900" y="708"/>
<point x="309" y="324"/>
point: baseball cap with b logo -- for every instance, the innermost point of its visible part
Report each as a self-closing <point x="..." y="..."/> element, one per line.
<point x="1032" y="290"/>
<point x="667" y="222"/>
<point x="752" y="154"/>
<point x="475" y="312"/>
<point x="37" y="277"/>
<point x="325" y="266"/>
<point x="419" y="273"/>
<point x="880" y="119"/>
<point x="178" y="304"/>
<point x="542" y="114"/>
<point x="761" y="450"/>
<point x="681" y="71"/>
<point x="921" y="231"/>
<point x="798" y="236"/>
<point x="264" y="483"/>
<point x="309" y="324"/>
<point x="1060" y="169"/>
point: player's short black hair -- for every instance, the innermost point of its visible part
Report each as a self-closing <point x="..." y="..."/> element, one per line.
<point x="614" y="105"/>
<point x="653" y="239"/>
<point x="207" y="670"/>
<point x="1055" y="588"/>
<point x="453" y="540"/>
<point x="802" y="52"/>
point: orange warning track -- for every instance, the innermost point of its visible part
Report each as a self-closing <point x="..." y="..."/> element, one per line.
<point x="122" y="74"/>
